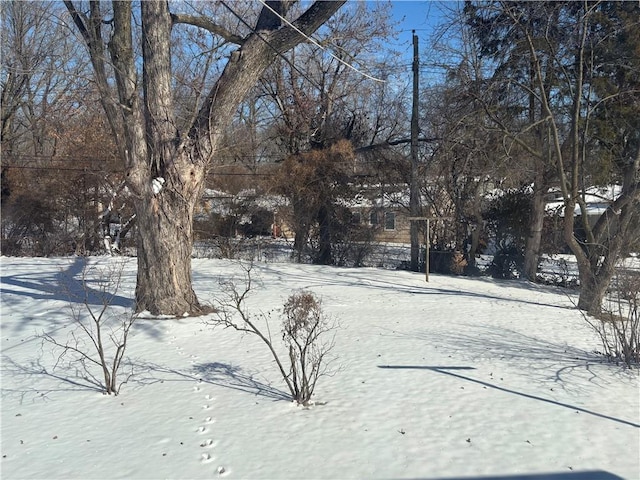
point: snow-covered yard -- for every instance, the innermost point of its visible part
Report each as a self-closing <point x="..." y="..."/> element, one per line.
<point x="454" y="378"/>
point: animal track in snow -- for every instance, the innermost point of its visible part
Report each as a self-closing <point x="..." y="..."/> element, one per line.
<point x="207" y="444"/>
<point x="206" y="458"/>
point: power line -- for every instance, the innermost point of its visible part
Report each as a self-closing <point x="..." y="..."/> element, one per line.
<point x="312" y="40"/>
<point x="85" y="170"/>
<point x="242" y="20"/>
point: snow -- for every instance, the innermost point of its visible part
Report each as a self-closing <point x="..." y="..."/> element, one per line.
<point x="454" y="378"/>
<point x="157" y="184"/>
<point x="598" y="200"/>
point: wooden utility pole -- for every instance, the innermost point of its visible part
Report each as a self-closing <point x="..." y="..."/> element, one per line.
<point x="414" y="191"/>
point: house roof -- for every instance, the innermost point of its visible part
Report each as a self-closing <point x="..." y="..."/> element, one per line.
<point x="598" y="199"/>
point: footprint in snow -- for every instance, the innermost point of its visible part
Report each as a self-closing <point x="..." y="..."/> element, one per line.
<point x="208" y="443"/>
<point x="206" y="458"/>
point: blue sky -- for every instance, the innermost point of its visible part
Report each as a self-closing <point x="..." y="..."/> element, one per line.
<point x="418" y="15"/>
<point x="421" y="16"/>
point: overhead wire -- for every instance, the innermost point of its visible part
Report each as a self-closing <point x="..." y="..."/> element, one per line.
<point x="261" y="37"/>
<point x="312" y="40"/>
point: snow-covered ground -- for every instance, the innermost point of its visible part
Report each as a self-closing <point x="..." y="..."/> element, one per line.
<point x="456" y="378"/>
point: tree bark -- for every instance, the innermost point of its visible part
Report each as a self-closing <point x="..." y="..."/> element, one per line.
<point x="534" y="238"/>
<point x="165" y="239"/>
<point x="325" y="256"/>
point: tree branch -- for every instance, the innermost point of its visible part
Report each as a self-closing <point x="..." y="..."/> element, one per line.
<point x="243" y="70"/>
<point x="206" y="24"/>
<point x="79" y="20"/>
<point x="307" y="23"/>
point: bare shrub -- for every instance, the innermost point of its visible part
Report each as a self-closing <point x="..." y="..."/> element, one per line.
<point x="618" y="324"/>
<point x="304" y="324"/>
<point x="100" y="330"/>
<point x="306" y="333"/>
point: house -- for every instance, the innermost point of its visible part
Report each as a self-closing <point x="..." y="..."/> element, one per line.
<point x="379" y="207"/>
<point x="597" y="199"/>
<point x="384" y="210"/>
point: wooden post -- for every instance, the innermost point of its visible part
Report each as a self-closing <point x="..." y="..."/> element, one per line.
<point x="426" y="254"/>
<point x="426" y="244"/>
<point x="426" y="241"/>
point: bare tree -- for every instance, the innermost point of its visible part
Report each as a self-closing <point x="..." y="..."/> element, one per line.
<point x="316" y="101"/>
<point x="508" y="96"/>
<point x="39" y="75"/>
<point x="574" y="54"/>
<point x="607" y="239"/>
<point x="165" y="164"/>
<point x="618" y="324"/>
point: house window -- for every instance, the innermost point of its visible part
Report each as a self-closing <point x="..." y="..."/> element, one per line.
<point x="373" y="218"/>
<point x="389" y="220"/>
<point x="356" y="218"/>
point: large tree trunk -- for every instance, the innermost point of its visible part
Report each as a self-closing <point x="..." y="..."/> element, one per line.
<point x="612" y="235"/>
<point x="592" y="291"/>
<point x="165" y="239"/>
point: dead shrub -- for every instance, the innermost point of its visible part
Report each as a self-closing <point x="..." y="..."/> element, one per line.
<point x="618" y="324"/>
<point x="306" y="333"/>
<point x="96" y="345"/>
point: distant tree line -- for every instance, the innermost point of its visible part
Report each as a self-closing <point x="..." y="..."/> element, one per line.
<point x="101" y="146"/>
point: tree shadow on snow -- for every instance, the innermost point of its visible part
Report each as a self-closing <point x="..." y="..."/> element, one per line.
<point x="64" y="285"/>
<point x="357" y="277"/>
<point x="232" y="377"/>
<point x="530" y="352"/>
<point x="220" y="374"/>
<point x="51" y="379"/>
<point x="549" y="361"/>
<point x="451" y="371"/>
